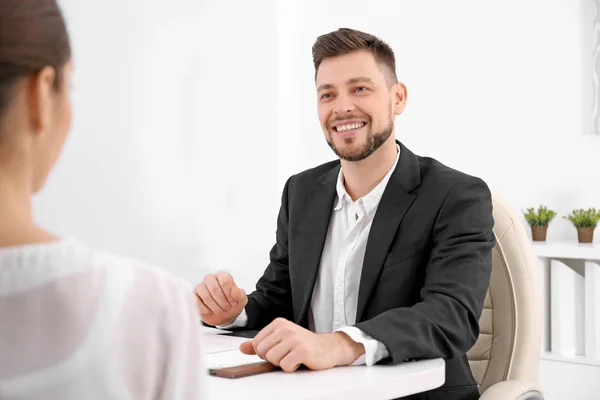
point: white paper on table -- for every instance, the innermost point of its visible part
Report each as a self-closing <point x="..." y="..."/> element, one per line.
<point x="230" y="358"/>
<point x="217" y="343"/>
<point x="213" y="331"/>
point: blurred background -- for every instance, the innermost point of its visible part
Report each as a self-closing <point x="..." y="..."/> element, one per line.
<point x="189" y="117"/>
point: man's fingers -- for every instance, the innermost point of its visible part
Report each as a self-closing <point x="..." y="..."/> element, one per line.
<point x="277" y="352"/>
<point x="263" y="334"/>
<point x="290" y="362"/>
<point x="238" y="294"/>
<point x="204" y="310"/>
<point x="264" y="346"/>
<point x="207" y="299"/>
<point x="247" y="348"/>
<point x="227" y="285"/>
<point x="214" y="287"/>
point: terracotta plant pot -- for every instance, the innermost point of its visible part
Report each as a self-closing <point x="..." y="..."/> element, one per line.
<point x="538" y="233"/>
<point x="585" y="235"/>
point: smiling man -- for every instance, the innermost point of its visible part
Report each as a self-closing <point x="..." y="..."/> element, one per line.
<point x="380" y="256"/>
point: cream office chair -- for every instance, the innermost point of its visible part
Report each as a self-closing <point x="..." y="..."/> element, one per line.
<point x="505" y="359"/>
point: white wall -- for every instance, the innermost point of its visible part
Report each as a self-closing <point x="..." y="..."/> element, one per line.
<point x="562" y="380"/>
<point x="172" y="153"/>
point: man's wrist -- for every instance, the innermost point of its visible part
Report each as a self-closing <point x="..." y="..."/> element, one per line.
<point x="240" y="321"/>
<point x="226" y="323"/>
<point x="347" y="350"/>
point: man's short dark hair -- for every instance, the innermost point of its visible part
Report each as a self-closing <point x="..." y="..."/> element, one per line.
<point x="345" y="40"/>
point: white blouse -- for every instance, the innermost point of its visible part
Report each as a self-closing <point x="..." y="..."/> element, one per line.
<point x="77" y="323"/>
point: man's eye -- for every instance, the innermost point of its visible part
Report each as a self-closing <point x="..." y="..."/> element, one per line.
<point x="361" y="89"/>
<point x="326" y="96"/>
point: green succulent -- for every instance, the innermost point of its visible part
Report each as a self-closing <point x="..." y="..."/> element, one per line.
<point x="584" y="218"/>
<point x="542" y="217"/>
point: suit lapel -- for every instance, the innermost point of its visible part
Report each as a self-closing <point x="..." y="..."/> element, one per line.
<point x="313" y="233"/>
<point x="394" y="204"/>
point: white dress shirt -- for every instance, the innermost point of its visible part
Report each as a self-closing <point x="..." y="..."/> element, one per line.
<point x="335" y="296"/>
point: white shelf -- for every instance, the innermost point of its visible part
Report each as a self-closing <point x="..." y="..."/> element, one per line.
<point x="571" y="301"/>
<point x="567" y="249"/>
<point x="570" y="359"/>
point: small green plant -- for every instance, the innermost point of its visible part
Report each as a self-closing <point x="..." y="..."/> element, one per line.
<point x="542" y="217"/>
<point x="584" y="218"/>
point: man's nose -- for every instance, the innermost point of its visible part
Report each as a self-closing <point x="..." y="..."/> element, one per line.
<point x="344" y="105"/>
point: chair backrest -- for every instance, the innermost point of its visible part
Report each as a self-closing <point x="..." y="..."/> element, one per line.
<point x="509" y="345"/>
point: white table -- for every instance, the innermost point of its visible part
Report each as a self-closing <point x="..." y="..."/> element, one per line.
<point x="357" y="382"/>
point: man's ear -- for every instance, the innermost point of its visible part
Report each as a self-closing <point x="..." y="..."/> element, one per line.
<point x="400" y="95"/>
<point x="40" y="91"/>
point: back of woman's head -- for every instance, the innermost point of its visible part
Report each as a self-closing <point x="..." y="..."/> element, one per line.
<point x="32" y="36"/>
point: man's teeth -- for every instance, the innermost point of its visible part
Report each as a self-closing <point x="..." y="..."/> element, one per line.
<point x="344" y="128"/>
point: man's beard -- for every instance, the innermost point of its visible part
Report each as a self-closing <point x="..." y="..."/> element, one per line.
<point x="373" y="142"/>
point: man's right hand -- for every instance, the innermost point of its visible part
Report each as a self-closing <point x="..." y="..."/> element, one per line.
<point x="219" y="299"/>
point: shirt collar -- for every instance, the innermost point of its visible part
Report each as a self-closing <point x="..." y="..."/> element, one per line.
<point x="370" y="201"/>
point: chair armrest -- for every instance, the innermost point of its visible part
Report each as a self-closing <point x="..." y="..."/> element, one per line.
<point x="513" y="390"/>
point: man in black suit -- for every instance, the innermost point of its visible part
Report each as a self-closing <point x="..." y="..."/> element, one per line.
<point x="381" y="256"/>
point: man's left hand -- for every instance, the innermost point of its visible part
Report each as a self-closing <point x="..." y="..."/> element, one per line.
<point x="288" y="345"/>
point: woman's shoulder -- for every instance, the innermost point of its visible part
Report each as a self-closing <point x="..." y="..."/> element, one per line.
<point x="146" y="295"/>
<point x="29" y="266"/>
<point x="144" y="277"/>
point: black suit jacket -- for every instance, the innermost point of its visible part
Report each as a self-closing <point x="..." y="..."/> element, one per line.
<point x="426" y="268"/>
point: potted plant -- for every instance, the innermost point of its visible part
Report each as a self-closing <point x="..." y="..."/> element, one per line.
<point x="539" y="221"/>
<point x="585" y="221"/>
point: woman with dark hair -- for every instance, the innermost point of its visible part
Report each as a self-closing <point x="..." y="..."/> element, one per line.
<point x="75" y="323"/>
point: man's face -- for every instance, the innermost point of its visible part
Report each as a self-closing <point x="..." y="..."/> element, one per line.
<point x="356" y="104"/>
